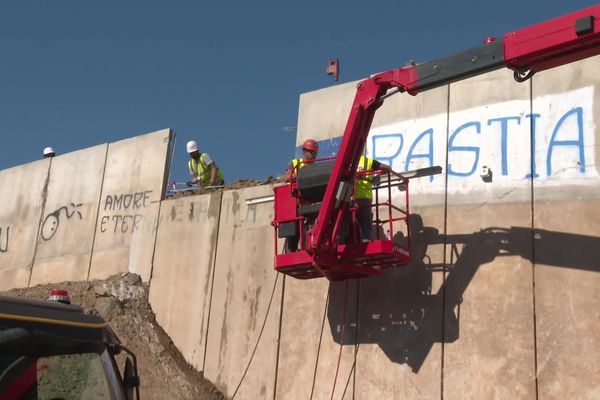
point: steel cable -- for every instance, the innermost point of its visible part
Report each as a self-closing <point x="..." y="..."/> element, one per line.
<point x="258" y="339"/>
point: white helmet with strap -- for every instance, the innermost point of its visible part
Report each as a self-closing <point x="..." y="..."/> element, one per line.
<point x="191" y="146"/>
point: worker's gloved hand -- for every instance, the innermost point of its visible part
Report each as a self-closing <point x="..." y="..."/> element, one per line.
<point x="189" y="183"/>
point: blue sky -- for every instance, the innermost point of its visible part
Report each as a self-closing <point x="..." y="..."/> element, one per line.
<point x="229" y="74"/>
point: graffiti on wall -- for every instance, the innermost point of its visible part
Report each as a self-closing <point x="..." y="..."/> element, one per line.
<point x="190" y="212"/>
<point x="52" y="220"/>
<point x="123" y="211"/>
<point x="560" y="132"/>
<point x="4" y="236"/>
<point x="235" y="211"/>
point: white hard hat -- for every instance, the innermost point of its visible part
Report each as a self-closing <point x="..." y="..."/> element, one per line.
<point x="191" y="146"/>
<point x="48" y="150"/>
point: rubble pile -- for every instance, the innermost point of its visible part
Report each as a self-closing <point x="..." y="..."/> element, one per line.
<point x="239" y="184"/>
<point x="122" y="300"/>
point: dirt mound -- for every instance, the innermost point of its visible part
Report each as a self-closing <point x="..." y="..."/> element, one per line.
<point x="122" y="300"/>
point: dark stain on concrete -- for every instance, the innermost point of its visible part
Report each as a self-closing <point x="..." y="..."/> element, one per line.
<point x="254" y="307"/>
<point x="224" y="333"/>
<point x="214" y="205"/>
<point x="235" y="205"/>
<point x="21" y="208"/>
<point x="251" y="214"/>
<point x="214" y="212"/>
<point x="191" y="212"/>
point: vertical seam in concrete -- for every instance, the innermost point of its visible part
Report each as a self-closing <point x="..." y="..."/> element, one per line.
<point x="531" y="160"/>
<point x="168" y="164"/>
<point x="260" y="333"/>
<point x="42" y="210"/>
<point x="166" y="172"/>
<point x="155" y="239"/>
<point x="97" y="213"/>
<point x="442" y="358"/>
<point x="212" y="281"/>
<point x="279" y="337"/>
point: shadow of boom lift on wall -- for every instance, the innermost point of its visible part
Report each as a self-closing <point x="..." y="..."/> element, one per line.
<point x="398" y="310"/>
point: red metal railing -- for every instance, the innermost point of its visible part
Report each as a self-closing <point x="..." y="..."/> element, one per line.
<point x="385" y="204"/>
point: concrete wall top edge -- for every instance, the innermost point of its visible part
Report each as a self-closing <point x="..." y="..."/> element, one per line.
<point x="138" y="163"/>
<point x="31" y="164"/>
<point x="76" y="153"/>
<point x="165" y="131"/>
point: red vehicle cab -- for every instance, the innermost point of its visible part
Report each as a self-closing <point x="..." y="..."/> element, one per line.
<point x="53" y="350"/>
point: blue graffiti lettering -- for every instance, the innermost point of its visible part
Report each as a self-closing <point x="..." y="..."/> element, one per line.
<point x="389" y="159"/>
<point x="429" y="155"/>
<point x="504" y="138"/>
<point x="578" y="112"/>
<point x="471" y="149"/>
<point x="390" y="148"/>
<point x="533" y="129"/>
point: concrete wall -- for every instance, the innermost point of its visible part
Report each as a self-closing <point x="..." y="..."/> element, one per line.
<point x="501" y="300"/>
<point x="90" y="212"/>
<point x="22" y="189"/>
<point x="134" y="180"/>
<point x="64" y="245"/>
<point x="507" y="307"/>
<point x="494" y="293"/>
<point x="245" y="287"/>
<point x="567" y="253"/>
<point x="184" y="262"/>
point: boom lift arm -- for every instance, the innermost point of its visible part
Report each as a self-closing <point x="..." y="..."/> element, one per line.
<point x="526" y="51"/>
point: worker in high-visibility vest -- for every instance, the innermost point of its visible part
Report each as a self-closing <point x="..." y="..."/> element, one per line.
<point x="310" y="149"/>
<point x="363" y="198"/>
<point x="203" y="169"/>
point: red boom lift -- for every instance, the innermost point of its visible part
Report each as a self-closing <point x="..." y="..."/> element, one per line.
<point x="314" y="206"/>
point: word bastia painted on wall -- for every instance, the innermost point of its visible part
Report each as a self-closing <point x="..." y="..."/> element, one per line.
<point x="499" y="137"/>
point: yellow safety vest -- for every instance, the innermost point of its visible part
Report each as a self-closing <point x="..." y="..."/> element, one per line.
<point x="295" y="163"/>
<point x="201" y="170"/>
<point x="364" y="186"/>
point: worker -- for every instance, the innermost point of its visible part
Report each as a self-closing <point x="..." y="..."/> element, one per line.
<point x="310" y="148"/>
<point x="363" y="198"/>
<point x="49" y="152"/>
<point x="363" y="195"/>
<point x="203" y="169"/>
